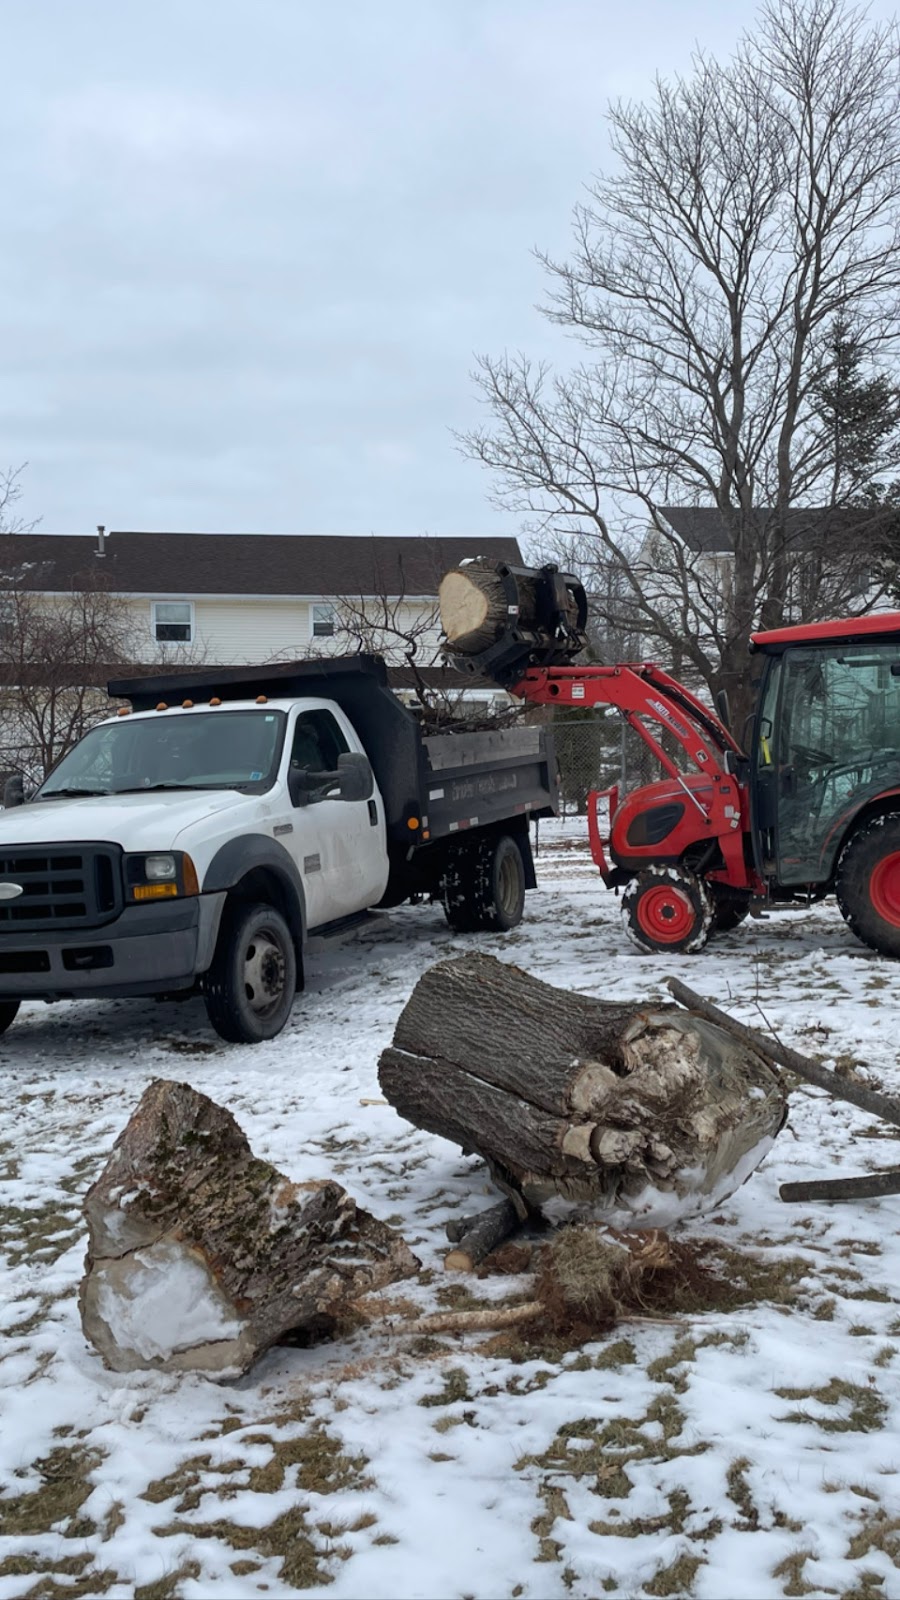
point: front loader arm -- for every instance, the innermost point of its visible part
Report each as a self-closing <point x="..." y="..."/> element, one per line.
<point x="639" y="692"/>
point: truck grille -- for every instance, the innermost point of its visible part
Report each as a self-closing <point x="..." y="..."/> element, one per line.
<point x="75" y="886"/>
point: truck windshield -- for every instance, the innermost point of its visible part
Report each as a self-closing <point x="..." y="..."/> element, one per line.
<point x="201" y="750"/>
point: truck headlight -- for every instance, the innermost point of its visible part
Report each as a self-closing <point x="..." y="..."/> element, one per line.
<point x="156" y="867"/>
<point x="160" y="876"/>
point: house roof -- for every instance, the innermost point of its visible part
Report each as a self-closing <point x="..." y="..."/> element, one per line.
<point x="703" y="530"/>
<point x="244" y="563"/>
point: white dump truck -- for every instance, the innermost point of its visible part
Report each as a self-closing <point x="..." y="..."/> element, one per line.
<point x="198" y="838"/>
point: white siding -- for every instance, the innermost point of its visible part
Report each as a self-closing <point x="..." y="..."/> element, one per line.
<point x="236" y="631"/>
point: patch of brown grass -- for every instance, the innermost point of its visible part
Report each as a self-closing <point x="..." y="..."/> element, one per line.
<point x="64" y="1487"/>
<point x="866" y="1413"/>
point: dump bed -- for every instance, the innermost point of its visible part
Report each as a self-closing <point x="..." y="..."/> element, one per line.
<point x="475" y="779"/>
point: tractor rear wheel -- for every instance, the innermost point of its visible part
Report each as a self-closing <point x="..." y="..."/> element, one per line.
<point x="867" y="884"/>
<point x="668" y="908"/>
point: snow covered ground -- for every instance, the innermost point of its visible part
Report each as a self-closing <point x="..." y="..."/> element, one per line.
<point x="726" y="1455"/>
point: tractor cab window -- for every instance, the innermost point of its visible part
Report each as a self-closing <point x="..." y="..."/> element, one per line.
<point x="837" y="746"/>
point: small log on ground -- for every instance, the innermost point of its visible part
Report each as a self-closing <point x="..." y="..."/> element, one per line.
<point x="477" y="1236"/>
<point x="201" y="1256"/>
<point x="578" y="1104"/>
<point x="865" y="1186"/>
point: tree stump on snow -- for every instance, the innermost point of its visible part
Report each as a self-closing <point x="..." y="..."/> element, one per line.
<point x="200" y="1256"/>
<point x="631" y="1114"/>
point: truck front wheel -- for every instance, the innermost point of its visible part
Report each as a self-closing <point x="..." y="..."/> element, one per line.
<point x="484" y="886"/>
<point x="251" y="984"/>
<point x="867" y="884"/>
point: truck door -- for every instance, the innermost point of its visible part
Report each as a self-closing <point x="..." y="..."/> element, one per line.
<point x="340" y="843"/>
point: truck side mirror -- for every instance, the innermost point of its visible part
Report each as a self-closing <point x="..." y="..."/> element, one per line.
<point x="13" y="791"/>
<point x="353" y="780"/>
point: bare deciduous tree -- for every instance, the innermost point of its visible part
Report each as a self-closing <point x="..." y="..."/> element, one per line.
<point x="56" y="653"/>
<point x="752" y="210"/>
<point x="10" y="495"/>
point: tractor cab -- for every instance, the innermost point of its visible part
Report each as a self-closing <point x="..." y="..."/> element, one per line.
<point x="826" y="742"/>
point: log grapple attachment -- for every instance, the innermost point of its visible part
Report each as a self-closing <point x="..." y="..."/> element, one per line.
<point x="534" y="617"/>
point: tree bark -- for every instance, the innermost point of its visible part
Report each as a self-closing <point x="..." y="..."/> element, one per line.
<point x="200" y="1256"/>
<point x="576" y="1102"/>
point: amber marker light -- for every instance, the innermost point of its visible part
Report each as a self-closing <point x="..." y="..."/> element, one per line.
<point x="413" y="824"/>
<point x="154" y="891"/>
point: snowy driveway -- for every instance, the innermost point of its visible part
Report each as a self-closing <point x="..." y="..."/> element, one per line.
<point x="746" y="1454"/>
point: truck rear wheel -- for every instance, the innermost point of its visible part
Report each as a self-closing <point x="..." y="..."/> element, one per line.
<point x="867" y="884"/>
<point x="666" y="908"/>
<point x="252" y="982"/>
<point x="484" y="886"/>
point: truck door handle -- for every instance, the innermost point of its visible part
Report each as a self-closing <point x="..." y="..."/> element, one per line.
<point x="373" y="814"/>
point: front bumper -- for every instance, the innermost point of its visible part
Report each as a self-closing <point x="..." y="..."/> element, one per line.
<point x="148" y="949"/>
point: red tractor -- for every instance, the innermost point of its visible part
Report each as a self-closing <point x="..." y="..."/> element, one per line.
<point x="812" y="808"/>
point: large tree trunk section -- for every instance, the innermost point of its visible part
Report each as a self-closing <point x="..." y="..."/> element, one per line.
<point x="200" y="1256"/>
<point x="580" y="1104"/>
<point x="474" y="606"/>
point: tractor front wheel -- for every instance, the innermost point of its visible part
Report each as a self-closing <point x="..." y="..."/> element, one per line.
<point x="666" y="908"/>
<point x="867" y="884"/>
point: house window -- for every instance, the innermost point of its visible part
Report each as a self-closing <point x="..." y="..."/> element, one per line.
<point x="9" y="616"/>
<point x="323" y="622"/>
<point x="172" y="621"/>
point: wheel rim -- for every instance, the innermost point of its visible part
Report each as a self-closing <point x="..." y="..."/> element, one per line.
<point x="508" y="885"/>
<point x="665" y="914"/>
<point x="264" y="973"/>
<point x="884" y="888"/>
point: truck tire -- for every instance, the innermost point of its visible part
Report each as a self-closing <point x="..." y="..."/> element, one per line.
<point x="668" y="908"/>
<point x="867" y="883"/>
<point x="251" y="984"/>
<point x="8" y="1012"/>
<point x="484" y="886"/>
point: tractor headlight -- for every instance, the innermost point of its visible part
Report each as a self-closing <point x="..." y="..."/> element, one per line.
<point x="161" y="876"/>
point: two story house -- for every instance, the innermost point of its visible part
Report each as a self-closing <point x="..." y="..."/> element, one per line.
<point x="233" y="598"/>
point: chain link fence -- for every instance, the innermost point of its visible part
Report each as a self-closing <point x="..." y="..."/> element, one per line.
<point x="595" y="750"/>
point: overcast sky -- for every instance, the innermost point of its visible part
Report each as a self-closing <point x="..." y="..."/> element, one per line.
<point x="249" y="247"/>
